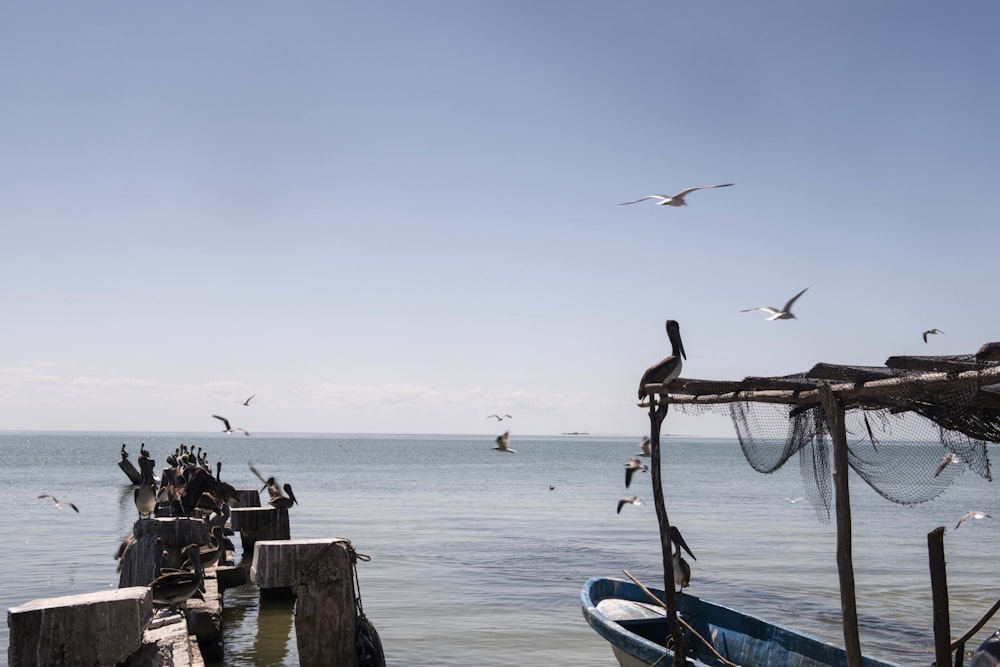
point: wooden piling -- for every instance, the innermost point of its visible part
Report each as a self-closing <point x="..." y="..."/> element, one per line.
<point x="939" y="596"/>
<point x="259" y="523"/>
<point x="322" y="575"/>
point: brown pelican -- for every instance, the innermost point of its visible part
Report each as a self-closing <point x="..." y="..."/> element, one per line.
<point x="630" y="467"/>
<point x="931" y="331"/>
<point x="677" y="199"/>
<point x="230" y="429"/>
<point x="972" y="514"/>
<point x="502" y="443"/>
<point x="59" y="504"/>
<point x="631" y="500"/>
<point x="783" y="314"/>
<point x="682" y="571"/>
<point x="670" y="367"/>
<point x="145" y="495"/>
<point x="176" y="587"/>
<point x="283" y="502"/>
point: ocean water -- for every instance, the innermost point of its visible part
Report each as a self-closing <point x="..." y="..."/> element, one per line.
<point x="475" y="559"/>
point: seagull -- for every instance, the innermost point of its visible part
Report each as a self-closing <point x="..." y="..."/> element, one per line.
<point x="230" y="429"/>
<point x="58" y="503"/>
<point x="644" y="447"/>
<point x="670" y="367"/>
<point x="634" y="500"/>
<point x="502" y="442"/>
<point x="499" y="418"/>
<point x="677" y="199"/>
<point x="931" y="331"/>
<point x="950" y="457"/>
<point x="794" y="500"/>
<point x="247" y="402"/>
<point x="783" y="314"/>
<point x="974" y="514"/>
<point x="630" y="467"/>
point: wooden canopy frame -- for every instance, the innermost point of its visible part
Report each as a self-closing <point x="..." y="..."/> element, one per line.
<point x="837" y="389"/>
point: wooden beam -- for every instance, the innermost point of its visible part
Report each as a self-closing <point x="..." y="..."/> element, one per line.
<point x="845" y="564"/>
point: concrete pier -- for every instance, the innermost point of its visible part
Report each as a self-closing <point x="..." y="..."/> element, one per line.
<point x="321" y="574"/>
<point x="101" y="628"/>
<point x="259" y="523"/>
<point x="142" y="561"/>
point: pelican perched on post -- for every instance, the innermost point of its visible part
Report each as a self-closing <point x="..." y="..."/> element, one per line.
<point x="283" y="502"/>
<point x="682" y="571"/>
<point x="666" y="369"/>
<point x="176" y="587"/>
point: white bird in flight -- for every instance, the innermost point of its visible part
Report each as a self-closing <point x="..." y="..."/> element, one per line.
<point x="794" y="500"/>
<point x="677" y="199"/>
<point x="230" y="429"/>
<point x="950" y="457"/>
<point x="61" y="504"/>
<point x="776" y="314"/>
<point x="973" y="514"/>
<point x="631" y="500"/>
<point x="499" y="418"/>
<point x="931" y="331"/>
<point x="502" y="443"/>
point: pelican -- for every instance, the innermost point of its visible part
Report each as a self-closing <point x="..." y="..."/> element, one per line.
<point x="973" y="514"/>
<point x="230" y="429"/>
<point x="950" y="457"/>
<point x="931" y="331"/>
<point x="499" y="418"/>
<point x="60" y="504"/>
<point x="630" y="467"/>
<point x="502" y="442"/>
<point x="669" y="368"/>
<point x="644" y="447"/>
<point x="211" y="554"/>
<point x="176" y="587"/>
<point x="247" y="402"/>
<point x="270" y="484"/>
<point x="282" y="502"/>
<point x="631" y="500"/>
<point x="783" y="314"/>
<point x="677" y="199"/>
<point x="682" y="571"/>
<point x="145" y="495"/>
<point x="124" y="453"/>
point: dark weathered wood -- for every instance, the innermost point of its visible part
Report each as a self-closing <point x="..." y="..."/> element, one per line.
<point x="932" y="364"/>
<point x="656" y="415"/>
<point x="989" y="352"/>
<point x="939" y="596"/>
<point x="845" y="563"/>
<point x="841" y="373"/>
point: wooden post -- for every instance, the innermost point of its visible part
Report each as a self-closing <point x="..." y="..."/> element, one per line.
<point x="845" y="564"/>
<point x="939" y="596"/>
<point x="656" y="415"/>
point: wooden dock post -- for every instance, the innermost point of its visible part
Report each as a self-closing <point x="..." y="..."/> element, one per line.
<point x="845" y="562"/>
<point x="102" y="628"/>
<point x="141" y="563"/>
<point x="259" y="523"/>
<point x="321" y="573"/>
<point x="939" y="596"/>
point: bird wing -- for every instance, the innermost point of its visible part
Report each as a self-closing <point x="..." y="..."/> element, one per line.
<point x="48" y="495"/>
<point x="75" y="509"/>
<point x="676" y="538"/>
<point x="766" y="309"/>
<point x="223" y="420"/>
<point x="966" y="517"/>
<point x="788" y="306"/>
<point x="636" y="201"/>
<point x="242" y="430"/>
<point x="925" y="340"/>
<point x="687" y="191"/>
<point x="256" y="472"/>
<point x="247" y="402"/>
<point x="628" y="477"/>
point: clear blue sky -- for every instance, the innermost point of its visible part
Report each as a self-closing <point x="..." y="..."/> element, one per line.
<point x="402" y="216"/>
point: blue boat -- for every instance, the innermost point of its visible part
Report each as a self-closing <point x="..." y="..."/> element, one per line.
<point x="636" y="627"/>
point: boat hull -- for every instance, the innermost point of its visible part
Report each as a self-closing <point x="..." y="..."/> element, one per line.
<point x="623" y="614"/>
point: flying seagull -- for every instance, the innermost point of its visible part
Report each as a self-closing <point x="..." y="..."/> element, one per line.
<point x="783" y="314"/>
<point x="499" y="418"/>
<point x="61" y="505"/>
<point x="950" y="457"/>
<point x="669" y="367"/>
<point x="931" y="331"/>
<point x="631" y="500"/>
<point x="794" y="500"/>
<point x="677" y="199"/>
<point x="630" y="468"/>
<point x="645" y="447"/>
<point x="230" y="429"/>
<point x="974" y="514"/>
<point x="247" y="402"/>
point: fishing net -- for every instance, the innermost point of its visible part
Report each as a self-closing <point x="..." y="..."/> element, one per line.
<point x="908" y="444"/>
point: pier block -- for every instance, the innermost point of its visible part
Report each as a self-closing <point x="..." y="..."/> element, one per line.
<point x="102" y="628"/>
<point x="247" y="498"/>
<point x="141" y="563"/>
<point x="259" y="523"/>
<point x="204" y="620"/>
<point x="166" y="643"/>
<point x="322" y="575"/>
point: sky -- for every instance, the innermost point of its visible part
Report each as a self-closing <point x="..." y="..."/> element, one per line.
<point x="401" y="217"/>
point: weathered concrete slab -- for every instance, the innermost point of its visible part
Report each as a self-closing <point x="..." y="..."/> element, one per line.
<point x="321" y="574"/>
<point x="259" y="523"/>
<point x="166" y="643"/>
<point x="143" y="560"/>
<point x="204" y="620"/>
<point x="247" y="498"/>
<point x="102" y="628"/>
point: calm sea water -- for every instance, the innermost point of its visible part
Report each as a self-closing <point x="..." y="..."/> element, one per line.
<point x="475" y="560"/>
